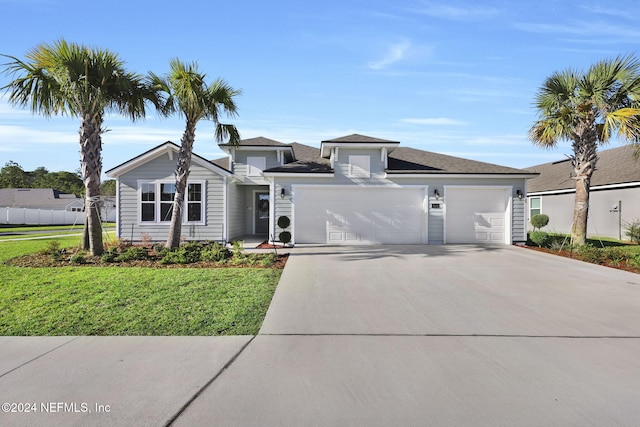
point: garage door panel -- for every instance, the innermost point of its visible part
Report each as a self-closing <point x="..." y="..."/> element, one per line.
<point x="476" y="215"/>
<point x="351" y="216"/>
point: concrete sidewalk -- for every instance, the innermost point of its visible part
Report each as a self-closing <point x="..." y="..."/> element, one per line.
<point x="367" y="336"/>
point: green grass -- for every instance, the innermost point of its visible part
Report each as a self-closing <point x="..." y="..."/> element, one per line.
<point x="130" y="300"/>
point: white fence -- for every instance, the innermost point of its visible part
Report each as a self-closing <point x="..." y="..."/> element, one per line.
<point x="20" y="216"/>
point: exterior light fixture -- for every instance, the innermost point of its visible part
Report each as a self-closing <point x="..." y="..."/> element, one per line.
<point x="436" y="193"/>
<point x="282" y="193"/>
<point x="519" y="194"/>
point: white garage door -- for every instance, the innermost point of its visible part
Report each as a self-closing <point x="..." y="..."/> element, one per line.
<point x="350" y="215"/>
<point x="477" y="215"/>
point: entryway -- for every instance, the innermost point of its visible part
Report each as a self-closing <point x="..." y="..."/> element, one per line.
<point x="261" y="213"/>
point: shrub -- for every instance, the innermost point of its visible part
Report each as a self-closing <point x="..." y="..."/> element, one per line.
<point x="173" y="257"/>
<point x="52" y="247"/>
<point x="268" y="260"/>
<point x="78" y="258"/>
<point x="133" y="253"/>
<point x="215" y="253"/>
<point x="540" y="220"/>
<point x="110" y="256"/>
<point x="185" y="254"/>
<point x="238" y="248"/>
<point x="590" y="253"/>
<point x="284" y="222"/>
<point x="540" y="238"/>
<point x="285" y="237"/>
<point x="614" y="255"/>
<point x="633" y="231"/>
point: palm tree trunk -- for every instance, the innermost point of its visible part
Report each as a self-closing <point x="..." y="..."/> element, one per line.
<point x="181" y="174"/>
<point x="584" y="160"/>
<point x="91" y="166"/>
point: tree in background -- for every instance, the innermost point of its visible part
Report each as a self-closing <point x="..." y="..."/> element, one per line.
<point x="186" y="92"/>
<point x="68" y="78"/>
<point x="13" y="176"/>
<point x="588" y="108"/>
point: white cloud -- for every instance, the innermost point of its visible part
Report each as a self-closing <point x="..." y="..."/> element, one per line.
<point x="395" y="53"/>
<point x="434" y="121"/>
<point x="584" y="28"/>
<point x="453" y="13"/>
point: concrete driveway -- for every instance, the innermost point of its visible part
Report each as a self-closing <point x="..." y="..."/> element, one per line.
<point x="367" y="336"/>
<point x="442" y="335"/>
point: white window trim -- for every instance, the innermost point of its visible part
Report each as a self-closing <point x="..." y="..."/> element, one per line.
<point x="356" y="161"/>
<point x="157" y="202"/>
<point x="255" y="165"/>
<point x="529" y="205"/>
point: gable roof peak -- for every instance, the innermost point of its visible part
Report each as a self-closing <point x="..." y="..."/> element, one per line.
<point x="358" y="138"/>
<point x="259" y="141"/>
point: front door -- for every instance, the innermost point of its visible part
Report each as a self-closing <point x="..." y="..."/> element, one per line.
<point x="262" y="213"/>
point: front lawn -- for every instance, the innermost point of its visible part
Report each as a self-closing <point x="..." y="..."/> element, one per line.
<point x="78" y="300"/>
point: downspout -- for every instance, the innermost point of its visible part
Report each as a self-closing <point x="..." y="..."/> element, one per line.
<point x="225" y="211"/>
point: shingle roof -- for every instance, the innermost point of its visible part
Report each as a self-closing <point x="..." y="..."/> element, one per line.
<point x="259" y="142"/>
<point x="357" y="138"/>
<point x="410" y="160"/>
<point x="35" y="198"/>
<point x="614" y="166"/>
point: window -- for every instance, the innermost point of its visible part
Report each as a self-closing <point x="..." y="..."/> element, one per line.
<point x="359" y="167"/>
<point x="167" y="194"/>
<point x="255" y="165"/>
<point x="194" y="202"/>
<point x="156" y="202"/>
<point x="534" y="206"/>
<point x="148" y="202"/>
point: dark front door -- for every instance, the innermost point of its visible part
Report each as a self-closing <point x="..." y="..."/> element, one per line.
<point x="262" y="213"/>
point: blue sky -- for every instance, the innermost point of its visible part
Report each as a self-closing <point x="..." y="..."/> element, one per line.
<point x="456" y="77"/>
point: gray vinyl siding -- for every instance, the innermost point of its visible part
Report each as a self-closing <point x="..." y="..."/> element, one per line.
<point x="603" y="219"/>
<point x="161" y="169"/>
<point x="240" y="165"/>
<point x="237" y="212"/>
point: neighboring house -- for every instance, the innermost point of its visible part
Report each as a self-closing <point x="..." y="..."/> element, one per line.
<point x="40" y="198"/>
<point x="50" y="199"/>
<point x="614" y="199"/>
<point x="352" y="190"/>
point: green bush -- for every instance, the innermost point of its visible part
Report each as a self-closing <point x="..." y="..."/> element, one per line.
<point x="78" y="258"/>
<point x="540" y="238"/>
<point x="215" y="253"/>
<point x="284" y="222"/>
<point x="238" y="248"/>
<point x="110" y="255"/>
<point x="614" y="255"/>
<point x="268" y="260"/>
<point x="285" y="237"/>
<point x="590" y="253"/>
<point x="540" y="220"/>
<point x="633" y="231"/>
<point x="52" y="247"/>
<point x="133" y="253"/>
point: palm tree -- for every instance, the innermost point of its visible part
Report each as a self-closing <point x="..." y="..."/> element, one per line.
<point x="187" y="93"/>
<point x="68" y="78"/>
<point x="588" y="108"/>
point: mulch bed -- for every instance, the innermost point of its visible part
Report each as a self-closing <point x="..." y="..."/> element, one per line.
<point x="42" y="260"/>
<point x="568" y="254"/>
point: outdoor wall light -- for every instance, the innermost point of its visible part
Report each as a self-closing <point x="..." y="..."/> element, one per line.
<point x="436" y="193"/>
<point x="519" y="194"/>
<point x="282" y="193"/>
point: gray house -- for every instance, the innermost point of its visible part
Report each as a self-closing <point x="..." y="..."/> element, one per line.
<point x="40" y="198"/>
<point x="614" y="199"/>
<point x="352" y="190"/>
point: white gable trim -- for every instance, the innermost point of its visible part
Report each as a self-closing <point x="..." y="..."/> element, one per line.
<point x="169" y="149"/>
